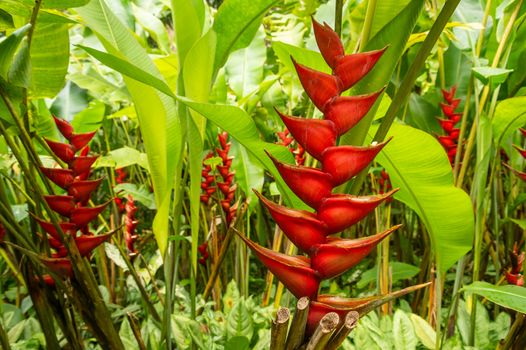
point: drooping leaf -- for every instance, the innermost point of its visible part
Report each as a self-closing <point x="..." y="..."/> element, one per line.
<point x="508" y="296"/>
<point x="160" y="128"/>
<point x="510" y="115"/>
<point x="417" y="163"/>
<point x="493" y="76"/>
<point x="8" y="48"/>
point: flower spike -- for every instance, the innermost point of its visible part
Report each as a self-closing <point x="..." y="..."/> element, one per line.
<point x="328" y="42"/>
<point x="79" y="141"/>
<point x="352" y="68"/>
<point x="64" y="151"/>
<point x="61" y="177"/>
<point x="346" y="111"/>
<point x="293" y="271"/>
<point x="61" y="204"/>
<point x="345" y="162"/>
<point x="83" y="215"/>
<point x="64" y="127"/>
<point x="81" y="165"/>
<point x="314" y="135"/>
<point x="300" y="226"/>
<point x="310" y="184"/>
<point x="339" y="255"/>
<point x="342" y="211"/>
<point x="81" y="190"/>
<point x="319" y="86"/>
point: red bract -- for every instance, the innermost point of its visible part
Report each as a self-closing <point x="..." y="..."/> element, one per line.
<point x="514" y="274"/>
<point x="131" y="225"/>
<point x="296" y="149"/>
<point x="72" y="207"/>
<point x="450" y="140"/>
<point x="328" y="256"/>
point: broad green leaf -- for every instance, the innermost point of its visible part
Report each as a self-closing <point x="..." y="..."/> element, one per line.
<point x="49" y="59"/>
<point x="99" y="87"/>
<point x="8" y="48"/>
<point x="20" y="70"/>
<point x="239" y="321"/>
<point x="312" y="59"/>
<point x="160" y="128"/>
<point x="130" y="70"/>
<point x="123" y="157"/>
<point x="6" y="21"/>
<point x="423" y="330"/>
<point x="244" y="68"/>
<point x="63" y="4"/>
<point x="154" y="26"/>
<point x="44" y="123"/>
<point x="188" y="20"/>
<point x="237" y="343"/>
<point x="90" y="118"/>
<point x="404" y="335"/>
<point x="241" y="127"/>
<point x="70" y="101"/>
<point x="140" y="193"/>
<point x="399" y="271"/>
<point x="418" y="165"/>
<point x="493" y="76"/>
<point x="236" y="23"/>
<point x="508" y="296"/>
<point x="393" y="22"/>
<point x="248" y="174"/>
<point x="510" y="115"/>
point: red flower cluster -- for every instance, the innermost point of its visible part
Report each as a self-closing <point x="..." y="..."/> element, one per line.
<point x="225" y="180"/>
<point x="131" y="225"/>
<point x="514" y="275"/>
<point x="450" y="140"/>
<point x="120" y="178"/>
<point x="327" y="256"/>
<point x="72" y="206"/>
<point x="203" y="251"/>
<point x="298" y="150"/>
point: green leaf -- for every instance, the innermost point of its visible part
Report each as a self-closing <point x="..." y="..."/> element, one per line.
<point x="49" y="59"/>
<point x="399" y="270"/>
<point x="160" y="128"/>
<point x="123" y="157"/>
<point x="508" y="296"/>
<point x="63" y="4"/>
<point x="126" y="334"/>
<point x="8" y="48"/>
<point x="241" y="127"/>
<point x="248" y="174"/>
<point x="129" y="69"/>
<point x="6" y="21"/>
<point x="90" y="118"/>
<point x="493" y="76"/>
<point x="418" y="165"/>
<point x="188" y="20"/>
<point x="237" y="343"/>
<point x="510" y="115"/>
<point x="154" y="26"/>
<point x="404" y="335"/>
<point x="312" y="59"/>
<point x="244" y="68"/>
<point x="423" y="330"/>
<point x="140" y="193"/>
<point x="236" y="23"/>
<point x="239" y="321"/>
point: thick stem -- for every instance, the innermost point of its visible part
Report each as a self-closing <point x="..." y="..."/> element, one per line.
<point x="368" y="23"/>
<point x="338" y="17"/>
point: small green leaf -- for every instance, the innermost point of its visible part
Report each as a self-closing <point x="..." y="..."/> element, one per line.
<point x="237" y="343"/>
<point x="8" y="48"/>
<point x="404" y="335"/>
<point x="494" y="76"/>
<point x="508" y="296"/>
<point x="140" y="193"/>
<point x="423" y="330"/>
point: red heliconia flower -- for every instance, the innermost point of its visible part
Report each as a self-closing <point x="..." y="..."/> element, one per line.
<point x="514" y="274"/>
<point x="203" y="251"/>
<point x="297" y="149"/>
<point x="310" y="231"/>
<point x="131" y="225"/>
<point x="208" y="180"/>
<point x="121" y="175"/>
<point x="450" y="140"/>
<point x="71" y="206"/>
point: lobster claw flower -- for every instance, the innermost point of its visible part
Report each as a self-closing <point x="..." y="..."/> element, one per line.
<point x="300" y="226"/>
<point x="61" y="204"/>
<point x="86" y="244"/>
<point x="61" y="266"/>
<point x="340" y="305"/>
<point x="81" y="190"/>
<point x="345" y="162"/>
<point x="521" y="151"/>
<point x="61" y="177"/>
<point x="83" y="215"/>
<point x="447" y="141"/>
<point x="64" y="127"/>
<point x="67" y="227"/>
<point x="310" y="184"/>
<point x="352" y="68"/>
<point x="314" y="135"/>
<point x="64" y="151"/>
<point x="329" y="43"/>
<point x="81" y="165"/>
<point x="339" y="255"/>
<point x="449" y="96"/>
<point x="79" y="141"/>
<point x="341" y="211"/>
<point x="520" y="174"/>
<point x="449" y="109"/>
<point x="346" y="111"/>
<point x="293" y="271"/>
<point x="320" y="87"/>
<point x="523" y="131"/>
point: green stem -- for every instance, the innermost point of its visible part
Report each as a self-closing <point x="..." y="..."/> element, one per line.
<point x="368" y="23"/>
<point x="338" y="17"/>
